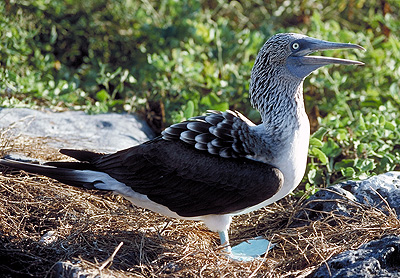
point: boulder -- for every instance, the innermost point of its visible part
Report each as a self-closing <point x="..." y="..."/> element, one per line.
<point x="381" y="191"/>
<point x="75" y="129"/>
<point x="378" y="258"/>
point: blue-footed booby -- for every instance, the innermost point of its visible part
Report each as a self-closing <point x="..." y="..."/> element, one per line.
<point x="213" y="167"/>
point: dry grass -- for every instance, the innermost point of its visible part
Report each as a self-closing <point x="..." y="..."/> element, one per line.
<point x="89" y="226"/>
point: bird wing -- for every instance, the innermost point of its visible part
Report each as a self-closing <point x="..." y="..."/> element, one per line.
<point x="225" y="134"/>
<point x="188" y="181"/>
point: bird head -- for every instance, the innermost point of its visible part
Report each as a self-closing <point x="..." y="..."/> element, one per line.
<point x="290" y="52"/>
<point x="281" y="66"/>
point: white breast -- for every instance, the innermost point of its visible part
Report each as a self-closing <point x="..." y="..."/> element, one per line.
<point x="292" y="161"/>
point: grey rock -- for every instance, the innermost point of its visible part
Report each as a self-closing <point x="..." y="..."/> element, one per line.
<point x="345" y="198"/>
<point x="75" y="129"/>
<point x="378" y="189"/>
<point x="68" y="270"/>
<point x="378" y="258"/>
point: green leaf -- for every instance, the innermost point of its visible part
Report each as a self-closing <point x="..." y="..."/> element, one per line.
<point x="361" y="123"/>
<point x="316" y="176"/>
<point x="311" y="175"/>
<point x="387" y="163"/>
<point x="362" y="148"/>
<point x="189" y="111"/>
<point x="365" y="165"/>
<point x="319" y="134"/>
<point x="342" y="134"/>
<point x="103" y="95"/>
<point x="382" y="120"/>
<point x="311" y="189"/>
<point x="331" y="148"/>
<point x="315" y="142"/>
<point x="320" y="155"/>
<point x="344" y="164"/>
<point x="223" y="106"/>
<point x="389" y="126"/>
<point x="348" y="172"/>
<point x="212" y="101"/>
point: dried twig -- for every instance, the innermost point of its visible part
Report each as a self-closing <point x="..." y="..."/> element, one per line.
<point x="111" y="258"/>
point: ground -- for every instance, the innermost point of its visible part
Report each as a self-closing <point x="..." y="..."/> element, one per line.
<point x="88" y="227"/>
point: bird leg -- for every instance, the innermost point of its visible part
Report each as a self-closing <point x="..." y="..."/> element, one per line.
<point x="223" y="235"/>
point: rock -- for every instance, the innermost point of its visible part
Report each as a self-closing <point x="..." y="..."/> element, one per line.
<point x="378" y="258"/>
<point x="343" y="198"/>
<point x="67" y="269"/>
<point x="71" y="270"/>
<point x="378" y="189"/>
<point x="48" y="238"/>
<point x="75" y="129"/>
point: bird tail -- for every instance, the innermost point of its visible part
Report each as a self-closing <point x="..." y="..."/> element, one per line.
<point x="71" y="173"/>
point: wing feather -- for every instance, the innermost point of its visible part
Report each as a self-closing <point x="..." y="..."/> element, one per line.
<point x="219" y="133"/>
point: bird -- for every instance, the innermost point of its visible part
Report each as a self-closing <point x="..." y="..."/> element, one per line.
<point x="220" y="164"/>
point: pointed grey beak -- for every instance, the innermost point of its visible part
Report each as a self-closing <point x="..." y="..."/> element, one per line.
<point x="311" y="45"/>
<point x="302" y="65"/>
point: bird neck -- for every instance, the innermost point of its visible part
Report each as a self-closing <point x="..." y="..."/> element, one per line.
<point x="285" y="121"/>
<point x="280" y="103"/>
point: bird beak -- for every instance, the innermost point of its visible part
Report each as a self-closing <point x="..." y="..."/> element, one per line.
<point x="311" y="45"/>
<point x="302" y="65"/>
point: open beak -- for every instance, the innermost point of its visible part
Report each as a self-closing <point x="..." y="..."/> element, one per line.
<point x="302" y="65"/>
<point x="313" y="45"/>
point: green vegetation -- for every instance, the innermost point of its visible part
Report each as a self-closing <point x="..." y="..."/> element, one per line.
<point x="170" y="60"/>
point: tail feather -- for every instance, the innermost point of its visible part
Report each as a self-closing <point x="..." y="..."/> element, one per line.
<point x="71" y="165"/>
<point x="81" y="155"/>
<point x="70" y="176"/>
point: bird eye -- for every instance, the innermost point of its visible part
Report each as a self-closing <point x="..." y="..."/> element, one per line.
<point x="295" y="46"/>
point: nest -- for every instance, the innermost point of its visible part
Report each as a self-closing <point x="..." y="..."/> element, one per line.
<point x="43" y="222"/>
